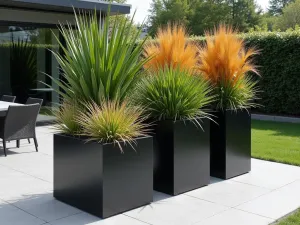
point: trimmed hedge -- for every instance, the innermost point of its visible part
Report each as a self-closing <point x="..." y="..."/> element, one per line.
<point x="279" y="67"/>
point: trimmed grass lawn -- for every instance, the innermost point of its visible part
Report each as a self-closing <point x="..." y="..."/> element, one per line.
<point x="274" y="141"/>
<point x="291" y="220"/>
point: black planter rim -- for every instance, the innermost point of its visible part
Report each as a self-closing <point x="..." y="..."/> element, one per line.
<point x="85" y="139"/>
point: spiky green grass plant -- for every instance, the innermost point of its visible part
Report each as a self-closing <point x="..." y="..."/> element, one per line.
<point x="241" y="95"/>
<point x="99" y="61"/>
<point x="112" y="122"/>
<point x="173" y="94"/>
<point x="65" y="115"/>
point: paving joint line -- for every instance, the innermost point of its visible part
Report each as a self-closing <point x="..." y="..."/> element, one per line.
<point x="205" y="200"/>
<point x="64" y="217"/>
<point x="241" y="182"/>
<point x="216" y="214"/>
<point x="25" y="211"/>
<point x="137" y="219"/>
<point x="255" y="214"/>
<point x="26" y="173"/>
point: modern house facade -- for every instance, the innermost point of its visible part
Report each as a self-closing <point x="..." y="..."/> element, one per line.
<point x="27" y="37"/>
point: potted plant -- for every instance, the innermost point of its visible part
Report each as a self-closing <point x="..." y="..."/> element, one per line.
<point x="174" y="96"/>
<point x="104" y="166"/>
<point x="103" y="158"/>
<point x="227" y="64"/>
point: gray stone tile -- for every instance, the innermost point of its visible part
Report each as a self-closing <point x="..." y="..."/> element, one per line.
<point x="228" y="193"/>
<point x="87" y="219"/>
<point x="45" y="207"/>
<point x="10" y="215"/>
<point x="236" y="217"/>
<point x="177" y="210"/>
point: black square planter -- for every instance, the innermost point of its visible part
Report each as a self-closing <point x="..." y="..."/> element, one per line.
<point x="181" y="156"/>
<point x="99" y="179"/>
<point x="230" y="144"/>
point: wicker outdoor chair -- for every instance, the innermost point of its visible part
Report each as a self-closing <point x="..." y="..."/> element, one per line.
<point x="31" y="101"/>
<point x="8" y="98"/>
<point x="19" y="123"/>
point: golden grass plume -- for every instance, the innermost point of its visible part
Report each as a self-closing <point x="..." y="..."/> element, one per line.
<point x="171" y="50"/>
<point x="224" y="56"/>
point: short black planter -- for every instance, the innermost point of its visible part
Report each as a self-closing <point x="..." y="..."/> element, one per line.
<point x="230" y="144"/>
<point x="181" y="156"/>
<point x="99" y="179"/>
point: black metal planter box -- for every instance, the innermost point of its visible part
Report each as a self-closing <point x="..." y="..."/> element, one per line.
<point x="99" y="179"/>
<point x="230" y="144"/>
<point x="181" y="156"/>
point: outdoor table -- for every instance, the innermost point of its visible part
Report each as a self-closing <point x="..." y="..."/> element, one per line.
<point x="4" y="107"/>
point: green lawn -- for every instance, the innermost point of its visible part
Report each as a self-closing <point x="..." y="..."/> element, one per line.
<point x="276" y="141"/>
<point x="291" y="220"/>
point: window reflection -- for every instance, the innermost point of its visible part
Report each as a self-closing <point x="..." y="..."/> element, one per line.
<point x="25" y="59"/>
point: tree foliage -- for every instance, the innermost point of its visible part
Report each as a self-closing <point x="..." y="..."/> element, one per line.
<point x="276" y="6"/>
<point x="245" y="14"/>
<point x="163" y="12"/>
<point x="201" y="15"/>
<point x="207" y="14"/>
<point x="290" y="17"/>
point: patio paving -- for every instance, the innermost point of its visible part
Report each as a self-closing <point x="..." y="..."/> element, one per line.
<point x="266" y="194"/>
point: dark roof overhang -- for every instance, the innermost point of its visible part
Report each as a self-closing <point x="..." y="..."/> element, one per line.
<point x="66" y="6"/>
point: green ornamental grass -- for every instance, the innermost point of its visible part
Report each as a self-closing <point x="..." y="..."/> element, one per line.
<point x="112" y="122"/>
<point x="65" y="118"/>
<point x="173" y="94"/>
<point x="100" y="62"/>
<point x="241" y="95"/>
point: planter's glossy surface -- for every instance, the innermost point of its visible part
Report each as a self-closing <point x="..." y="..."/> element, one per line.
<point x="230" y="144"/>
<point x="99" y="179"/>
<point x="181" y="156"/>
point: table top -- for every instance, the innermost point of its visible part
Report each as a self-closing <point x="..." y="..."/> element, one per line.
<point x="4" y="105"/>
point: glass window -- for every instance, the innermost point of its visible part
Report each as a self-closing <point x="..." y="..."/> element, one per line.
<point x="25" y="59"/>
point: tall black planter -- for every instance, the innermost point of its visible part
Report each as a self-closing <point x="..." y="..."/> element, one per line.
<point x="99" y="179"/>
<point x="230" y="144"/>
<point x="181" y="156"/>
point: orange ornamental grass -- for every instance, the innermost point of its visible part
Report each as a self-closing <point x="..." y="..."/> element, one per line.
<point x="171" y="50"/>
<point x="224" y="57"/>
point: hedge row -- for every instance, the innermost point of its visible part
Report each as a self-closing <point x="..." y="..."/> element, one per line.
<point x="279" y="66"/>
